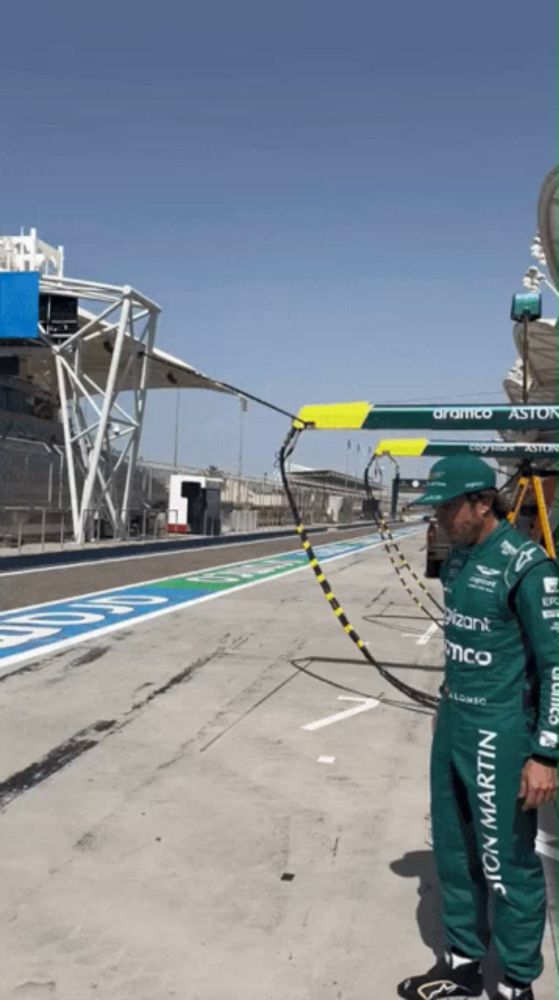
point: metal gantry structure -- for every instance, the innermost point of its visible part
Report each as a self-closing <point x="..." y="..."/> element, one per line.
<point x="109" y="352"/>
<point x="98" y="431"/>
<point x="85" y="372"/>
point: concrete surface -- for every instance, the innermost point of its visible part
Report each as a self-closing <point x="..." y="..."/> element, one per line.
<point x="170" y="829"/>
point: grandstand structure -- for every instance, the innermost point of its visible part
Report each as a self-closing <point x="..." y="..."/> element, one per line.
<point x="73" y="395"/>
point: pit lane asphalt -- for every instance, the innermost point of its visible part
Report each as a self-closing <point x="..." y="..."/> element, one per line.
<point x="172" y="828"/>
<point x="35" y="586"/>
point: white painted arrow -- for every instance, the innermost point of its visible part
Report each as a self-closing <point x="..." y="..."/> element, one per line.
<point x="366" y="705"/>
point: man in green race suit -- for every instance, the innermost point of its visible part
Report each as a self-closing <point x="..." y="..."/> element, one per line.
<point x="494" y="752"/>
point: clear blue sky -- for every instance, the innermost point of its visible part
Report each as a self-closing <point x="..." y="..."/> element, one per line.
<point x="330" y="201"/>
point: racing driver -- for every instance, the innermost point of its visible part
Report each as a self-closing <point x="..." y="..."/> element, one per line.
<point x="494" y="754"/>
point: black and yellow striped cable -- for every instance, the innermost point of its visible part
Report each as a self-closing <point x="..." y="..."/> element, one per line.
<point x="326" y="588"/>
<point x="421" y="697"/>
<point x="403" y="565"/>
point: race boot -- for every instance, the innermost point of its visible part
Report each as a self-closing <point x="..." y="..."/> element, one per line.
<point x="452" y="978"/>
<point x="508" y="991"/>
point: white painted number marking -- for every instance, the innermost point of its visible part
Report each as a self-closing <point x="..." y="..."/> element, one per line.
<point x="427" y="635"/>
<point x="366" y="705"/>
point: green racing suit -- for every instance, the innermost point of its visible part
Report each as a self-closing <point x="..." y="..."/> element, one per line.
<point x="499" y="707"/>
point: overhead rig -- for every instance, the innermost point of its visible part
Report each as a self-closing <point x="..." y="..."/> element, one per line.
<point x="362" y="416"/>
<point x="452" y="417"/>
<point x="425" y="448"/>
<point x="528" y="477"/>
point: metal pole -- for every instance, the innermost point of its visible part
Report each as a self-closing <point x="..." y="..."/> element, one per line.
<point x="68" y="446"/>
<point x="177" y="418"/>
<point x="49" y="493"/>
<point x="525" y="361"/>
<point x="61" y="480"/>
<point x="395" y="495"/>
<point x="244" y="407"/>
<point x="87" y="494"/>
<point x="140" y="397"/>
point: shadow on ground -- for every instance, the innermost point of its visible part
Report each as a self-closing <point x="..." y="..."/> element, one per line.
<point x="420" y="865"/>
<point x="304" y="664"/>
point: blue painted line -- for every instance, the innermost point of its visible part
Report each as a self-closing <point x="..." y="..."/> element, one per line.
<point x="41" y="629"/>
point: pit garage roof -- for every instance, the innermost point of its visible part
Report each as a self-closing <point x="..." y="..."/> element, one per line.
<point x="542" y="364"/>
<point x="542" y="373"/>
<point x="548" y="207"/>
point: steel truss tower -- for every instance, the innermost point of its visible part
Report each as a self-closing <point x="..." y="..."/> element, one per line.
<point x="98" y="432"/>
<point x="109" y="354"/>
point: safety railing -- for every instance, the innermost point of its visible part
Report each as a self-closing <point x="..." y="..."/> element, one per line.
<point x="53" y="526"/>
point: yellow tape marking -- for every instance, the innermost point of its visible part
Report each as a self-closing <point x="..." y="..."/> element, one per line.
<point x="335" y="416"/>
<point x="402" y="447"/>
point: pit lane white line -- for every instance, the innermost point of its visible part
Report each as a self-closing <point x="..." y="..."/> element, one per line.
<point x="177" y="576"/>
<point x="410" y="529"/>
<point x="85" y="564"/>
<point x="41" y="649"/>
<point x="366" y="705"/>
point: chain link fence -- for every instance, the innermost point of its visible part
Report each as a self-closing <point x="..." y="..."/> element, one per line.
<point x="35" y="504"/>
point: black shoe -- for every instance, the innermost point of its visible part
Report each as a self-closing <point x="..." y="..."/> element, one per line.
<point x="442" y="982"/>
<point x="506" y="991"/>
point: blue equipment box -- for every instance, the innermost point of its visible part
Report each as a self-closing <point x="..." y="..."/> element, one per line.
<point x="19" y="305"/>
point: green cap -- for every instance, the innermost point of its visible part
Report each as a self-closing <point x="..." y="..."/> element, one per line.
<point x="455" y="475"/>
